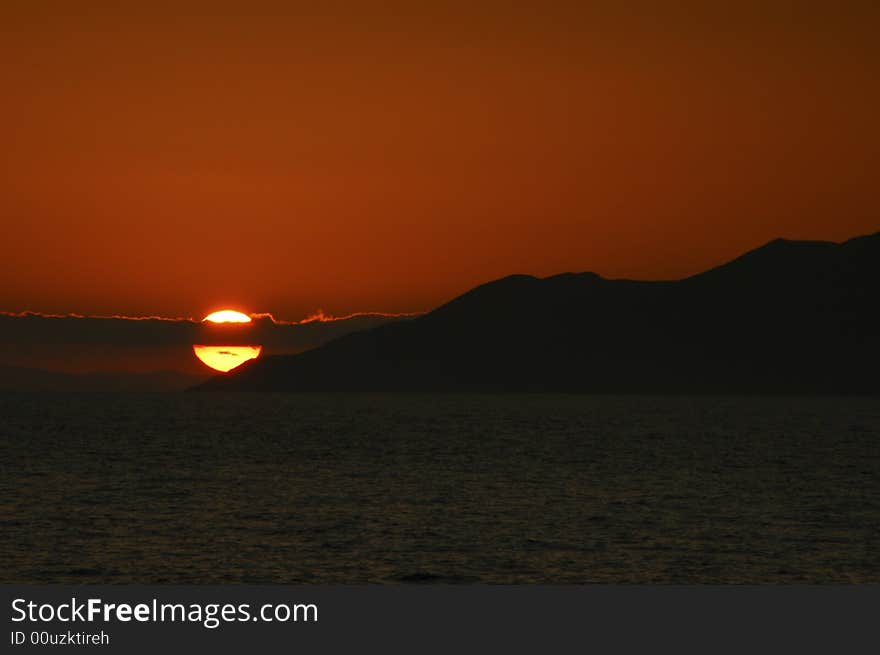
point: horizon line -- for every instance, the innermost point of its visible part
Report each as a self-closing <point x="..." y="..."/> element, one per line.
<point x="318" y="316"/>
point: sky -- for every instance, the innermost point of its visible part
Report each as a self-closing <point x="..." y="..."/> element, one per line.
<point x="171" y="159"/>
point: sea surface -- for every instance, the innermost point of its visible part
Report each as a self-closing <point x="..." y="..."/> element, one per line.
<point x="391" y="488"/>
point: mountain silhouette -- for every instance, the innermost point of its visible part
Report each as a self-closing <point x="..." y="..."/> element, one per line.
<point x="791" y="316"/>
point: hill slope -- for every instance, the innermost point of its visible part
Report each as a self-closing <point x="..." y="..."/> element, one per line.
<point x="787" y="317"/>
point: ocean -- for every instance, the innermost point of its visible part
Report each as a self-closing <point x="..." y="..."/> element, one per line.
<point x="438" y="488"/>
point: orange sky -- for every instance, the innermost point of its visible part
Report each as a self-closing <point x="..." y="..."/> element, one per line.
<point x="179" y="157"/>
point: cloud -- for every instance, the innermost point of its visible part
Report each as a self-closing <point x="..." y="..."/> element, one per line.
<point x="320" y="317"/>
<point x="32" y="314"/>
<point x="77" y="343"/>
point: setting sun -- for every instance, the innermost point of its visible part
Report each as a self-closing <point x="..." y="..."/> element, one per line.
<point x="227" y="316"/>
<point x="226" y="358"/>
<point x="223" y="355"/>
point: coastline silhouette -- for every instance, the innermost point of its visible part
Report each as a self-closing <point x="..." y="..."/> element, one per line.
<point x="788" y="317"/>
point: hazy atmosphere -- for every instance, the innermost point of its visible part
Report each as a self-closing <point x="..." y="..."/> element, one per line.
<point x="173" y="158"/>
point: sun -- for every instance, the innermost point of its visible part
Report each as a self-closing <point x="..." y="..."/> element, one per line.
<point x="226" y="358"/>
<point x="226" y="324"/>
<point x="227" y="316"/>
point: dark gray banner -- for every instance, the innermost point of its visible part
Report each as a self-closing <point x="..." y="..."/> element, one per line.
<point x="269" y="619"/>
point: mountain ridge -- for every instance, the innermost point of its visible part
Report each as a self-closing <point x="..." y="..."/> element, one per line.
<point x="789" y="316"/>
